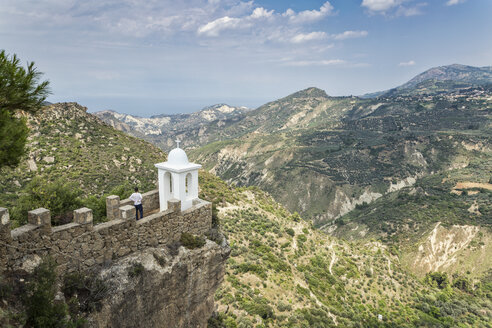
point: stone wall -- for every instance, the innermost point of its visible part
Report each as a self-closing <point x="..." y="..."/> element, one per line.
<point x="80" y="245"/>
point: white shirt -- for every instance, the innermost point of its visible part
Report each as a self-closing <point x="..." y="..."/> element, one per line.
<point x="137" y="198"/>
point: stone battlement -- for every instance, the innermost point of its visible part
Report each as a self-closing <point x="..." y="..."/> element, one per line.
<point x="80" y="245"/>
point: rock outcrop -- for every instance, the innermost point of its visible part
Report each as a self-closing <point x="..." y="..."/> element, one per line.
<point x="162" y="287"/>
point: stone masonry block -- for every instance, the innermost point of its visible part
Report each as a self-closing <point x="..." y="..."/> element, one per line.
<point x="40" y="217"/>
<point x="112" y="207"/>
<point x="174" y="205"/>
<point x="83" y="216"/>
<point x="4" y="216"/>
<point x="4" y="224"/>
<point x="127" y="212"/>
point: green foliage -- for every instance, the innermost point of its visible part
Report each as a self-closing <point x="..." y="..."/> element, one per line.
<point x="13" y="136"/>
<point x="463" y="284"/>
<point x="215" y="215"/>
<point x="253" y="268"/>
<point x="295" y="217"/>
<point x="19" y="90"/>
<point x="83" y="292"/>
<point x="437" y="279"/>
<point x="301" y="238"/>
<point x="60" y="197"/>
<point x="135" y="270"/>
<point x="41" y="307"/>
<point x="190" y="241"/>
<point x="257" y="306"/>
<point x="98" y="204"/>
<point x="221" y="320"/>
<point x="290" y="232"/>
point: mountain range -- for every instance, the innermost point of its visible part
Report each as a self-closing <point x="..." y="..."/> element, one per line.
<point x="162" y="130"/>
<point x="322" y="156"/>
<point x="283" y="271"/>
<point x="441" y="79"/>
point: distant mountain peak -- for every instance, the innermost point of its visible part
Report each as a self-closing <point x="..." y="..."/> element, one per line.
<point x="441" y="79"/>
<point x="311" y="92"/>
<point x="454" y="72"/>
<point x="223" y="108"/>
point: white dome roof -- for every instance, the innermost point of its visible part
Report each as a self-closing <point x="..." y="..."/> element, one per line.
<point x="177" y="156"/>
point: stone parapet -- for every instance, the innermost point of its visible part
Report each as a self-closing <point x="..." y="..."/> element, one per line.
<point x="113" y="207"/>
<point x="127" y="212"/>
<point x="150" y="202"/>
<point x="40" y="217"/>
<point x="80" y="245"/>
<point x="83" y="216"/>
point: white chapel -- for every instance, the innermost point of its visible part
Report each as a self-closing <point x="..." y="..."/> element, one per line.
<point x="178" y="179"/>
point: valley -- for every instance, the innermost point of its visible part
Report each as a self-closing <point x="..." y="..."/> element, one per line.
<point x="339" y="211"/>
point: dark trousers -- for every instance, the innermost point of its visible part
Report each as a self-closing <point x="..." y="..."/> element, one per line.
<point x="138" y="208"/>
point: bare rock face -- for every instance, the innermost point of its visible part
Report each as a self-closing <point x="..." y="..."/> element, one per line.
<point x="162" y="287"/>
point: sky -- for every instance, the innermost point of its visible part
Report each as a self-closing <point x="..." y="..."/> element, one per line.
<point x="146" y="57"/>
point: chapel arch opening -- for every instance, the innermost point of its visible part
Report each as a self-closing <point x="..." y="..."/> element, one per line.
<point x="188" y="184"/>
<point x="168" y="186"/>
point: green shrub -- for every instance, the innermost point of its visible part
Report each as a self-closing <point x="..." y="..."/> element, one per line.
<point x="437" y="279"/>
<point x="282" y="307"/>
<point x="463" y="284"/>
<point x="250" y="267"/>
<point x="215" y="215"/>
<point x="41" y="308"/>
<point x="59" y="197"/>
<point x="302" y="238"/>
<point x="136" y="269"/>
<point x="191" y="242"/>
<point x="290" y="232"/>
<point x="87" y="292"/>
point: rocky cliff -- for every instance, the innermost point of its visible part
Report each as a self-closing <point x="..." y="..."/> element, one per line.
<point x="162" y="287"/>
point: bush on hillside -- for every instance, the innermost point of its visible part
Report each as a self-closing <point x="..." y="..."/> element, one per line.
<point x="191" y="242"/>
<point x="59" y="197"/>
<point x="42" y="310"/>
<point x="437" y="279"/>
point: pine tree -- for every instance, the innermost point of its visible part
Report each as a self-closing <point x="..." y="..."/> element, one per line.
<point x="20" y="90"/>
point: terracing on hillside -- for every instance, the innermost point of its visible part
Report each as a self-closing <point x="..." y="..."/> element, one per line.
<point x="80" y="245"/>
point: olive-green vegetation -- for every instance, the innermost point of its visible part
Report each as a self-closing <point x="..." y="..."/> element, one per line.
<point x="42" y="310"/>
<point x="20" y="90"/>
<point x="60" y="197"/>
<point x="440" y="80"/>
<point x="32" y="300"/>
<point x="443" y="218"/>
<point x="284" y="273"/>
<point x="135" y="270"/>
<point x="191" y="241"/>
<point x="321" y="155"/>
<point x="73" y="159"/>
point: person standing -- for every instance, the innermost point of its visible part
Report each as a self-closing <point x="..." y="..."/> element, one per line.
<point x="136" y="197"/>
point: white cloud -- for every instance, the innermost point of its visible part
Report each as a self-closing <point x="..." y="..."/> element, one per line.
<point x="349" y="35"/>
<point x="380" y="5"/>
<point x="454" y="2"/>
<point x="408" y="63"/>
<point x="394" y="7"/>
<point x="309" y="15"/>
<point x="411" y="11"/>
<point x="261" y="13"/>
<point x="299" y="38"/>
<point x="213" y="28"/>
<point x="327" y="62"/>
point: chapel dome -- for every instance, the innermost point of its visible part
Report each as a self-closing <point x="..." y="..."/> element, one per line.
<point x="177" y="156"/>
